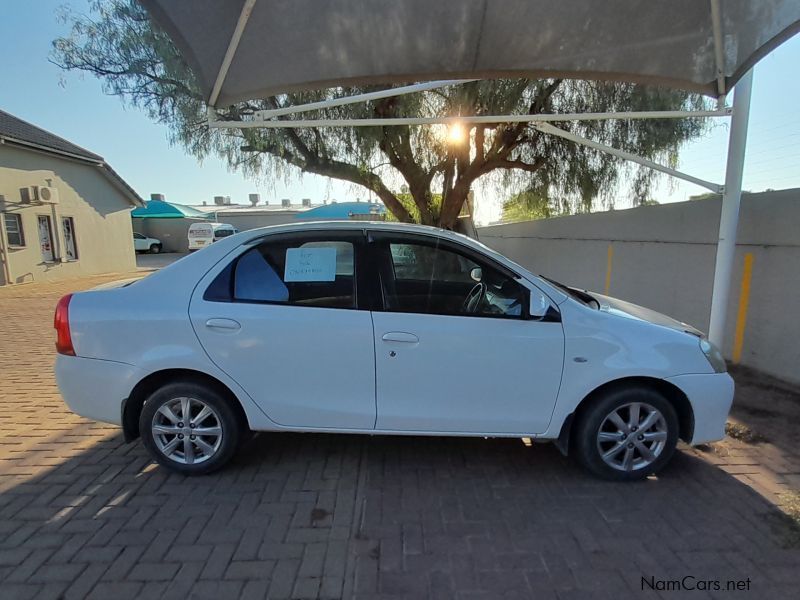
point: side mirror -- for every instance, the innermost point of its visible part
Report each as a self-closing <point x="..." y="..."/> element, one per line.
<point x="476" y="274"/>
<point x="540" y="304"/>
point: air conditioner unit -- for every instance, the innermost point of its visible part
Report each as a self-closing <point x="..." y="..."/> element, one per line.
<point x="47" y="194"/>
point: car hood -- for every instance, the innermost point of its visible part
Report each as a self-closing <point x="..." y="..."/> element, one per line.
<point x="621" y="308"/>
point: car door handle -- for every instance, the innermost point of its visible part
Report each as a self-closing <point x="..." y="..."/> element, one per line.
<point x="228" y="324"/>
<point x="400" y="336"/>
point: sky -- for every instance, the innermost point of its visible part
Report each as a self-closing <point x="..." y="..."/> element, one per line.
<point x="73" y="106"/>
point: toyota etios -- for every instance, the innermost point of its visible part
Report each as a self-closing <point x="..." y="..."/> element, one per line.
<point x="383" y="329"/>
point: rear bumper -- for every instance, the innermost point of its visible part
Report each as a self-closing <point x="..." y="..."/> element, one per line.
<point x="95" y="388"/>
<point x="711" y="397"/>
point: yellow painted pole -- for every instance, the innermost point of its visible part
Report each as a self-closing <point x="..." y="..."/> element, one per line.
<point x="608" y="268"/>
<point x="744" y="301"/>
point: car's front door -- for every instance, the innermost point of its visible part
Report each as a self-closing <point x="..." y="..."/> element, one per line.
<point x="283" y="320"/>
<point x="455" y="351"/>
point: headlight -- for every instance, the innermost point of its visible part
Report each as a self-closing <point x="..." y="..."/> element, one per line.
<point x="713" y="355"/>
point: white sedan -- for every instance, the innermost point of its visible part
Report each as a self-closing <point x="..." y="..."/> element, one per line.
<point x="142" y="243"/>
<point x="381" y="328"/>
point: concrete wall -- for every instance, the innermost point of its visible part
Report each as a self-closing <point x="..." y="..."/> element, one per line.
<point x="100" y="212"/>
<point x="247" y="221"/>
<point x="663" y="258"/>
<point x="174" y="233"/>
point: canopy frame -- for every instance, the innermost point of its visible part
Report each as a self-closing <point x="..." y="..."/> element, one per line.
<point x="233" y="45"/>
<point x="267" y="119"/>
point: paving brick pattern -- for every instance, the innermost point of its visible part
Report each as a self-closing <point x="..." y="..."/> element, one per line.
<point x="84" y="515"/>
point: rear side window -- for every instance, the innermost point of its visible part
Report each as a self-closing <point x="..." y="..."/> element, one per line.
<point x="221" y="233"/>
<point x="318" y="273"/>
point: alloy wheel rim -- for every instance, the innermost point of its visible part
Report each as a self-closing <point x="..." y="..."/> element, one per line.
<point x="187" y="430"/>
<point x="632" y="436"/>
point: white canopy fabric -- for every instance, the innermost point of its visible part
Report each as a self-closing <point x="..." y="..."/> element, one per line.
<point x="290" y="45"/>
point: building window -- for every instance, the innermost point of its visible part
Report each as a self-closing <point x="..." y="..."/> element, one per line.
<point x="46" y="238"/>
<point x="70" y="245"/>
<point x="14" y="233"/>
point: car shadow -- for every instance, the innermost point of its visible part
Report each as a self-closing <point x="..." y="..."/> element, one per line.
<point x="340" y="516"/>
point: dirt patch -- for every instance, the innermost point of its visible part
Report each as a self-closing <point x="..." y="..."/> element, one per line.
<point x="741" y="432"/>
<point x="786" y="522"/>
<point x="766" y="406"/>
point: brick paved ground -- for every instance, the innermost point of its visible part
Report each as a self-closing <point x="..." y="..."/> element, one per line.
<point x="306" y="516"/>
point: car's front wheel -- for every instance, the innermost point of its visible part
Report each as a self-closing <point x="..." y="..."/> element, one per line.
<point x="189" y="428"/>
<point x="155" y="248"/>
<point x="626" y="434"/>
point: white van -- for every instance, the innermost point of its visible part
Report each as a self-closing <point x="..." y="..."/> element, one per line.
<point x="205" y="234"/>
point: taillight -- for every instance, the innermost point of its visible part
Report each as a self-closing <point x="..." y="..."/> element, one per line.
<point x="61" y="323"/>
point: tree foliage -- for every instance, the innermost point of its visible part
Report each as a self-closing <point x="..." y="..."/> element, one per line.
<point x="137" y="62"/>
<point x="531" y="205"/>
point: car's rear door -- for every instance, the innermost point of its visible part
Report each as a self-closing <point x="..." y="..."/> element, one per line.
<point x="446" y="364"/>
<point x="283" y="320"/>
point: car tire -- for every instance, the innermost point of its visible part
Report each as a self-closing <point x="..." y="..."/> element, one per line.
<point x="626" y="434"/>
<point x="155" y="248"/>
<point x="169" y="438"/>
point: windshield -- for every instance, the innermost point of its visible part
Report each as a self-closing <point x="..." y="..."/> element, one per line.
<point x="581" y="296"/>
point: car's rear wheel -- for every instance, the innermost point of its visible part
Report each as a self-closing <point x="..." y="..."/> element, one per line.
<point x="189" y="428"/>
<point x="626" y="434"/>
<point x="155" y="248"/>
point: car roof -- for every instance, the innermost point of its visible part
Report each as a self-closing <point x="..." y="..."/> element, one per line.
<point x="358" y="226"/>
<point x="213" y="224"/>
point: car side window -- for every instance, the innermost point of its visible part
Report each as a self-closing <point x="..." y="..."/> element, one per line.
<point x="427" y="278"/>
<point x="413" y="261"/>
<point x="317" y="273"/>
<point x="138" y="236"/>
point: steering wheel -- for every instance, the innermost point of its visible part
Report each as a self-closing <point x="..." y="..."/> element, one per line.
<point x="474" y="299"/>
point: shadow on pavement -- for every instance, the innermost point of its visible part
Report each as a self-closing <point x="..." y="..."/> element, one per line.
<point x="337" y="516"/>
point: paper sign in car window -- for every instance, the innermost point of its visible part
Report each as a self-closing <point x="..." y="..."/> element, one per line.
<point x="310" y="264"/>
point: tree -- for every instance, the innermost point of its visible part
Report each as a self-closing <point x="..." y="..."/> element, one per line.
<point x="531" y="205"/>
<point x="137" y="62"/>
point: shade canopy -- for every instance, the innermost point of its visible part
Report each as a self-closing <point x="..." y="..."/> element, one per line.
<point x="157" y="209"/>
<point x="341" y="210"/>
<point x="281" y="46"/>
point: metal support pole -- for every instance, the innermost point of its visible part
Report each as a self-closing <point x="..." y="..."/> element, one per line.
<point x="491" y="119"/>
<point x="389" y="93"/>
<point x="550" y="129"/>
<point x="729" y="218"/>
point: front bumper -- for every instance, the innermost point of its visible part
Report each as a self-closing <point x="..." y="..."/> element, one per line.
<point x="96" y="388"/>
<point x="711" y="396"/>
